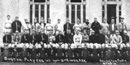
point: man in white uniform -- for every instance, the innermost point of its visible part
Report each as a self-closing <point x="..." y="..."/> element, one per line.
<point x="59" y="26"/>
<point x="49" y="27"/>
<point x="7" y="24"/>
<point x="77" y="38"/>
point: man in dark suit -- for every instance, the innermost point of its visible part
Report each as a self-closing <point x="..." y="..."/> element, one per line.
<point x="43" y="37"/>
<point x="68" y="37"/>
<point x="7" y="38"/>
<point x="60" y="38"/>
<point x="67" y="26"/>
<point x="101" y="38"/>
<point x="96" y="26"/>
<point x="16" y="25"/>
<point x="112" y="26"/>
<point x="125" y="37"/>
<point x="93" y="37"/>
<point x="26" y="37"/>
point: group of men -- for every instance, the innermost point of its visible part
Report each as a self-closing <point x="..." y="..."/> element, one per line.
<point x="79" y="42"/>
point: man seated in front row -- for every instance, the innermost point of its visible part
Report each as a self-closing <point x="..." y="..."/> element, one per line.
<point x="26" y="37"/>
<point x="118" y="38"/>
<point x="68" y="36"/>
<point x="93" y="37"/>
<point x="7" y="39"/>
<point x="77" y="38"/>
<point x="125" y="37"/>
<point x="60" y="37"/>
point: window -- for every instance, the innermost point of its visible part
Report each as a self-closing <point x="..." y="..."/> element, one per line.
<point x="75" y="0"/>
<point x="76" y="9"/>
<point x="39" y="9"/>
<point x="119" y="12"/>
<point x="40" y="1"/>
<point x="103" y="12"/>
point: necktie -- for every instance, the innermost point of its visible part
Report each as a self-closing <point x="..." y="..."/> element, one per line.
<point x="16" y="26"/>
<point x="122" y="27"/>
<point x="6" y="39"/>
<point x="25" y="37"/>
<point x="67" y="27"/>
<point x="42" y="37"/>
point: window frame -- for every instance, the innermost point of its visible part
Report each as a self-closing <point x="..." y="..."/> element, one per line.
<point x="70" y="4"/>
<point x="40" y="4"/>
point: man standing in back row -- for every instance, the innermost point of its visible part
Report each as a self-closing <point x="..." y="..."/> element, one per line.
<point x="16" y="25"/>
<point x="7" y="24"/>
<point x="96" y="26"/>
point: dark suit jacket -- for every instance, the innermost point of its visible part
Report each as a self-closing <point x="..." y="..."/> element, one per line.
<point x="125" y="38"/>
<point x="93" y="39"/>
<point x="68" y="38"/>
<point x="59" y="38"/>
<point x="69" y="27"/>
<point x="44" y="38"/>
<point x="110" y="28"/>
<point x="7" y="39"/>
<point x="101" y="38"/>
<point x="16" y="27"/>
<point x="25" y="38"/>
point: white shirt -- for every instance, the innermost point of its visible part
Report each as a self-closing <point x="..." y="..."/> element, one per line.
<point x="113" y="27"/>
<point x="59" y="27"/>
<point x="77" y="26"/>
<point x="7" y="25"/>
<point x="49" y="26"/>
<point x="105" y="26"/>
<point x="112" y="39"/>
<point x="77" y="38"/>
<point x="118" y="39"/>
<point x="42" y="26"/>
<point x="27" y="26"/>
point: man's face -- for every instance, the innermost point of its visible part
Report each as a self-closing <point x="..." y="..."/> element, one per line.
<point x="8" y="17"/>
<point x="49" y="20"/>
<point x="59" y="20"/>
<point x="42" y="19"/>
<point x="16" y="18"/>
<point x="26" y="20"/>
<point x="42" y="32"/>
<point x="122" y="20"/>
<point x="112" y="21"/>
<point x="87" y="20"/>
<point x="95" y="19"/>
<point x="60" y="32"/>
<point x="117" y="32"/>
<point x="35" y="20"/>
<point x="105" y="20"/>
<point x="68" y="21"/>
<point x="78" y="21"/>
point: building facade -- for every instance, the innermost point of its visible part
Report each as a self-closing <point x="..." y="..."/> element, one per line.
<point x="62" y="9"/>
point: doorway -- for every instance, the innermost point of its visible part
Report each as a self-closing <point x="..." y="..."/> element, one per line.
<point x="111" y="12"/>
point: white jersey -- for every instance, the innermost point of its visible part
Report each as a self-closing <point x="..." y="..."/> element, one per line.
<point x="59" y="27"/>
<point x="42" y="26"/>
<point x="7" y="26"/>
<point x="77" y="39"/>
<point x="27" y="26"/>
<point x="77" y="27"/>
<point x="49" y="27"/>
